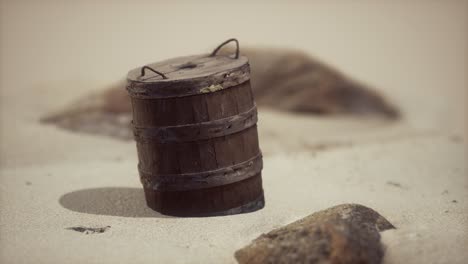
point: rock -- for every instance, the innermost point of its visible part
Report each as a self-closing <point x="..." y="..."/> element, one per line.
<point x="281" y="79"/>
<point x="347" y="233"/>
<point x="89" y="230"/>
<point x="291" y="80"/>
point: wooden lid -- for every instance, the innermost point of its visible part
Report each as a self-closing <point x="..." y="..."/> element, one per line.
<point x="189" y="75"/>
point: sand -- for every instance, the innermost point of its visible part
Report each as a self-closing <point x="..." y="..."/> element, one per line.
<point x="413" y="171"/>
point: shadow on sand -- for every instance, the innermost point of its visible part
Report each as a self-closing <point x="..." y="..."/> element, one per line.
<point x="114" y="201"/>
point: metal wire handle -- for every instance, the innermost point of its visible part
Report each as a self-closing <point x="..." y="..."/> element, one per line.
<point x="153" y="70"/>
<point x="224" y="43"/>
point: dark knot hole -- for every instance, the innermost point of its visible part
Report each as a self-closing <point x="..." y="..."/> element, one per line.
<point x="188" y="65"/>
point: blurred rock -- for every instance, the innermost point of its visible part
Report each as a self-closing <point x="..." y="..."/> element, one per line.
<point x="347" y="233"/>
<point x="282" y="79"/>
<point x="291" y="80"/>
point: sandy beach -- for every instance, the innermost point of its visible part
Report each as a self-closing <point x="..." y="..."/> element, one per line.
<point x="412" y="171"/>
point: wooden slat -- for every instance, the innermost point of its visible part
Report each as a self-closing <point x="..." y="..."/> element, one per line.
<point x="199" y="156"/>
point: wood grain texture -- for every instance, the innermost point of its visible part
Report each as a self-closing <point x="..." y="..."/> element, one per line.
<point x="198" y="152"/>
<point x="205" y="75"/>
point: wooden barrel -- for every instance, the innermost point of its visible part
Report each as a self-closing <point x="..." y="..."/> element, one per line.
<point x="194" y="121"/>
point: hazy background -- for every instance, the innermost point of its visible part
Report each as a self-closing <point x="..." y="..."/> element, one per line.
<point x="406" y="48"/>
<point x="414" y="52"/>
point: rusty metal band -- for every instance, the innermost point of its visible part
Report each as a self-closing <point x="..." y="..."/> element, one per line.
<point x="201" y="180"/>
<point x="251" y="206"/>
<point x="199" y="131"/>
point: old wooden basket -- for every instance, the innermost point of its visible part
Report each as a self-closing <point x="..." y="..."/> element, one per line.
<point x="194" y="121"/>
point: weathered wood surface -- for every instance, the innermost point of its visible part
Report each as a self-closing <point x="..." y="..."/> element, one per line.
<point x="188" y="75"/>
<point x="198" y="150"/>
